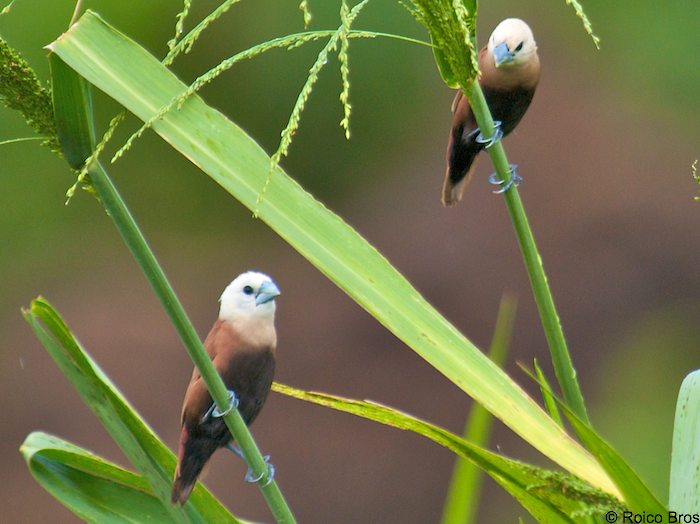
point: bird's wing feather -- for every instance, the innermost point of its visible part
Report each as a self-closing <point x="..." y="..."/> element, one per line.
<point x="455" y="101"/>
<point x="462" y="150"/>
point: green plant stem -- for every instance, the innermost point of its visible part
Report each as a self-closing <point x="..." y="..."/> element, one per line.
<point x="134" y="239"/>
<point x="563" y="366"/>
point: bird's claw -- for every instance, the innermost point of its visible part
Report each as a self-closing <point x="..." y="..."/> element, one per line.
<point x="249" y="474"/>
<point x="270" y="473"/>
<point x="515" y="180"/>
<point x="215" y="412"/>
<point x="497" y="135"/>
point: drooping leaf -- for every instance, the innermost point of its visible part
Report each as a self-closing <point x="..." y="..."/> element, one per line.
<point x="95" y="490"/>
<point x="550" y="496"/>
<point x="139" y="443"/>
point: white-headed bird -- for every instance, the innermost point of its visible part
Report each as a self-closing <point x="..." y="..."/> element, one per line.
<point x="241" y="345"/>
<point x="510" y="70"/>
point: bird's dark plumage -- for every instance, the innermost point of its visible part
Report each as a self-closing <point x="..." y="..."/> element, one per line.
<point x="508" y="89"/>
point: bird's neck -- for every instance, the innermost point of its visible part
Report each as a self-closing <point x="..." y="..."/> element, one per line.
<point x="256" y="330"/>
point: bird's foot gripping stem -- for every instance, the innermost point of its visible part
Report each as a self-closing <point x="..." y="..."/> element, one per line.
<point x="249" y="474"/>
<point x="270" y="473"/>
<point x="515" y="180"/>
<point x="215" y="412"/>
<point x="496" y="137"/>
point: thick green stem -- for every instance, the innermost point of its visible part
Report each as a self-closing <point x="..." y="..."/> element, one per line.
<point x="136" y="242"/>
<point x="563" y="367"/>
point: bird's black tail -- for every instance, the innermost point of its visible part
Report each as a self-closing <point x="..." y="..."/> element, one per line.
<point x="461" y="154"/>
<point x="193" y="455"/>
<point x="458" y="175"/>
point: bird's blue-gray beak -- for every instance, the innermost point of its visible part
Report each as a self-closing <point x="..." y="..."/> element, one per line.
<point x="268" y="291"/>
<point x="502" y="55"/>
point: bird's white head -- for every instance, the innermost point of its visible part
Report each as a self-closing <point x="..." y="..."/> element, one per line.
<point x="250" y="295"/>
<point x="512" y="43"/>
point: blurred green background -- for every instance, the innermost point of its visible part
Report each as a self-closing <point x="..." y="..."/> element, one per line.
<point x="605" y="151"/>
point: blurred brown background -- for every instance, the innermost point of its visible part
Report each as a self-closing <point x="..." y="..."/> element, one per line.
<point x="605" y="151"/>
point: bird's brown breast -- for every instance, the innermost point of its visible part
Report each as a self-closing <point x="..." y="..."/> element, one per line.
<point x="245" y="368"/>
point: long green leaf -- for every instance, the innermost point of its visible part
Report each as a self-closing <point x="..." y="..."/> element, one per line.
<point x="684" y="491"/>
<point x="138" y="441"/>
<point x="549" y="496"/>
<point x="93" y="489"/>
<point x="137" y="80"/>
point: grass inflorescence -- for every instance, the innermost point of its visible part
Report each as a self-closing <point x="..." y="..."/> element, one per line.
<point x="285" y="42"/>
<point x="578" y="8"/>
<point x="21" y="90"/>
<point x="322" y="59"/>
<point x="180" y="23"/>
<point x="345" y="68"/>
<point x="452" y="28"/>
<point x="184" y="45"/>
<point x="306" y="11"/>
<point x="7" y="8"/>
<point x="83" y="179"/>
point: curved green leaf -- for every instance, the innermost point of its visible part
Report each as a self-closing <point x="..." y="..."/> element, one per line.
<point x="138" y="441"/>
<point x="137" y="80"/>
<point x="95" y="490"/>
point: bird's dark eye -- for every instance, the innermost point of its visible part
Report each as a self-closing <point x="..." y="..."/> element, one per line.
<point x="520" y="46"/>
<point x="248" y="290"/>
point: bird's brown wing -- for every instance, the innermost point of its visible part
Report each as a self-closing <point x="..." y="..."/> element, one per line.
<point x="462" y="149"/>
